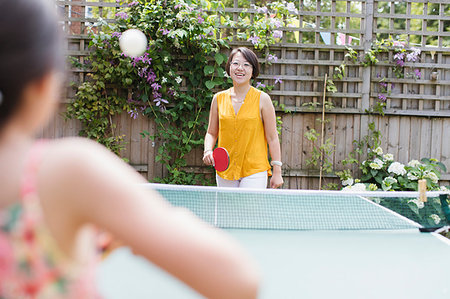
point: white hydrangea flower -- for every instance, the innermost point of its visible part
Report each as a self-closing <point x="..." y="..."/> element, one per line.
<point x="347" y="182"/>
<point x="397" y="168"/>
<point x="432" y="176"/>
<point x="355" y="187"/>
<point x="390" y="180"/>
<point x="388" y="157"/>
<point x="178" y="79"/>
<point x="166" y="59"/>
<point x="411" y="177"/>
<point x="414" y="163"/>
<point x="435" y="218"/>
<point x="378" y="151"/>
<point x="359" y="187"/>
<point x="163" y="80"/>
<point x="374" y="165"/>
<point x="420" y="204"/>
<point x="378" y="161"/>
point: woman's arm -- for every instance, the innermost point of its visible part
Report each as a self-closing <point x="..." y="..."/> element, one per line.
<point x="211" y="134"/>
<point x="85" y="183"/>
<point x="270" y="129"/>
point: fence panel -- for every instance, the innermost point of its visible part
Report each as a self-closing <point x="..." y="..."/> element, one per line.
<point x="417" y="112"/>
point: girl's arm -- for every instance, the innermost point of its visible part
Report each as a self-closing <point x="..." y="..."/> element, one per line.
<point x="270" y="129"/>
<point x="211" y="134"/>
<point x="84" y="183"/>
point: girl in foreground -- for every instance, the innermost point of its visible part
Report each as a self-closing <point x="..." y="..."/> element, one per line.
<point x="53" y="193"/>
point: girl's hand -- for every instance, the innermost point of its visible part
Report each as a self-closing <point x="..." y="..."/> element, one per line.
<point x="208" y="157"/>
<point x="276" y="180"/>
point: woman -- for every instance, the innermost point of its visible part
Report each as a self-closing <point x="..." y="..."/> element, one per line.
<point x="243" y="119"/>
<point x="54" y="192"/>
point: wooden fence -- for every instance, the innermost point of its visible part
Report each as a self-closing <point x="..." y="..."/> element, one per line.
<point x="417" y="113"/>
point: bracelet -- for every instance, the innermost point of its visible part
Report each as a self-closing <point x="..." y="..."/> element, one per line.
<point x="204" y="152"/>
<point x="279" y="163"/>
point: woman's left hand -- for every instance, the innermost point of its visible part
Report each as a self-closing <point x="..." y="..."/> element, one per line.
<point x="276" y="180"/>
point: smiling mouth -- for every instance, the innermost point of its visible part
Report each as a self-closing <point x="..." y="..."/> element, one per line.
<point x="240" y="75"/>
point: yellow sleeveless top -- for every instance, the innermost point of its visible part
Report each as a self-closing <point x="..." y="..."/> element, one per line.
<point x="242" y="135"/>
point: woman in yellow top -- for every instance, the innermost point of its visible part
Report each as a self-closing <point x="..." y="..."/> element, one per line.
<point x="243" y="119"/>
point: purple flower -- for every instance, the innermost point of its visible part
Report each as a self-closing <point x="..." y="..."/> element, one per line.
<point x="116" y="34"/>
<point x="200" y="19"/>
<point x="158" y="101"/>
<point x="262" y="9"/>
<point x="272" y="57"/>
<point x="291" y="7"/>
<point x="156" y="86"/>
<point x="151" y="77"/>
<point x="275" y="22"/>
<point x="400" y="62"/>
<point x="417" y="73"/>
<point x="156" y="94"/>
<point x="382" y="97"/>
<point x="122" y="15"/>
<point x="165" y="31"/>
<point x="259" y="84"/>
<point x="278" y="80"/>
<point x="413" y="56"/>
<point x="399" y="56"/>
<point x="142" y="72"/>
<point x="254" y="39"/>
<point x="133" y="113"/>
<point x="177" y="6"/>
<point x="277" y="34"/>
<point x="383" y="84"/>
<point x="133" y="3"/>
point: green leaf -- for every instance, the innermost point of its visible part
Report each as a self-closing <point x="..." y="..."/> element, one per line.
<point x="219" y="58"/>
<point x="210" y="84"/>
<point x="208" y="69"/>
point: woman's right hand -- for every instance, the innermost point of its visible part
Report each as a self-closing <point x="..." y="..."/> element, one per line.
<point x="208" y="157"/>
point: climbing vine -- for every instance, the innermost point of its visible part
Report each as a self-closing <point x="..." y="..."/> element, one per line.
<point x="173" y="82"/>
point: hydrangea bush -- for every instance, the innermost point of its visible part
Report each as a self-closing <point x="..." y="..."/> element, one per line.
<point x="380" y="172"/>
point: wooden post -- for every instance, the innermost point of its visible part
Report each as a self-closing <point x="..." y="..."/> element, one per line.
<point x="322" y="133"/>
<point x="423" y="190"/>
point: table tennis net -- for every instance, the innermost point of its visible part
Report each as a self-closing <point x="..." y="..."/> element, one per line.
<point x="233" y="208"/>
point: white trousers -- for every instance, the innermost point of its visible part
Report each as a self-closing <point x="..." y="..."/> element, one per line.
<point x="255" y="181"/>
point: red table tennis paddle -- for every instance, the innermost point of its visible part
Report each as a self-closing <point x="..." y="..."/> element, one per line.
<point x="221" y="159"/>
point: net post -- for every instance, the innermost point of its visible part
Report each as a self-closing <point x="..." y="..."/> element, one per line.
<point x="423" y="190"/>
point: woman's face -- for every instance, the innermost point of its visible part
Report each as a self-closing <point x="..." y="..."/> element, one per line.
<point x="240" y="69"/>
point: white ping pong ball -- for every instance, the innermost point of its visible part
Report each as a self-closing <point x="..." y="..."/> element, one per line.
<point x="133" y="42"/>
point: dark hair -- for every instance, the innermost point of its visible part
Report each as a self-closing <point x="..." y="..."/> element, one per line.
<point x="30" y="48"/>
<point x="249" y="55"/>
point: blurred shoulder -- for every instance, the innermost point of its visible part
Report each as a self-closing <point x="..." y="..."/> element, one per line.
<point x="72" y="156"/>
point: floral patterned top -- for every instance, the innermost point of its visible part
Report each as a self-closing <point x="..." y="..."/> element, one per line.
<point x="31" y="264"/>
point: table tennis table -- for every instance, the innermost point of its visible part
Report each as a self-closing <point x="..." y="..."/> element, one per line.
<point x="307" y="245"/>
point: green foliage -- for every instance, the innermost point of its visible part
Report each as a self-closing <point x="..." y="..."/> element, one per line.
<point x="173" y="82"/>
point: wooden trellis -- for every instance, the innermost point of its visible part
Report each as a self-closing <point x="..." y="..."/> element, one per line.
<point x="417" y="113"/>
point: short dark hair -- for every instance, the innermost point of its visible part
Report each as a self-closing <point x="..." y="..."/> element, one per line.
<point x="31" y="47"/>
<point x="249" y="55"/>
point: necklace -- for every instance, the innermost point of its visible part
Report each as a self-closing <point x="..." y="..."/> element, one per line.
<point x="236" y="101"/>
